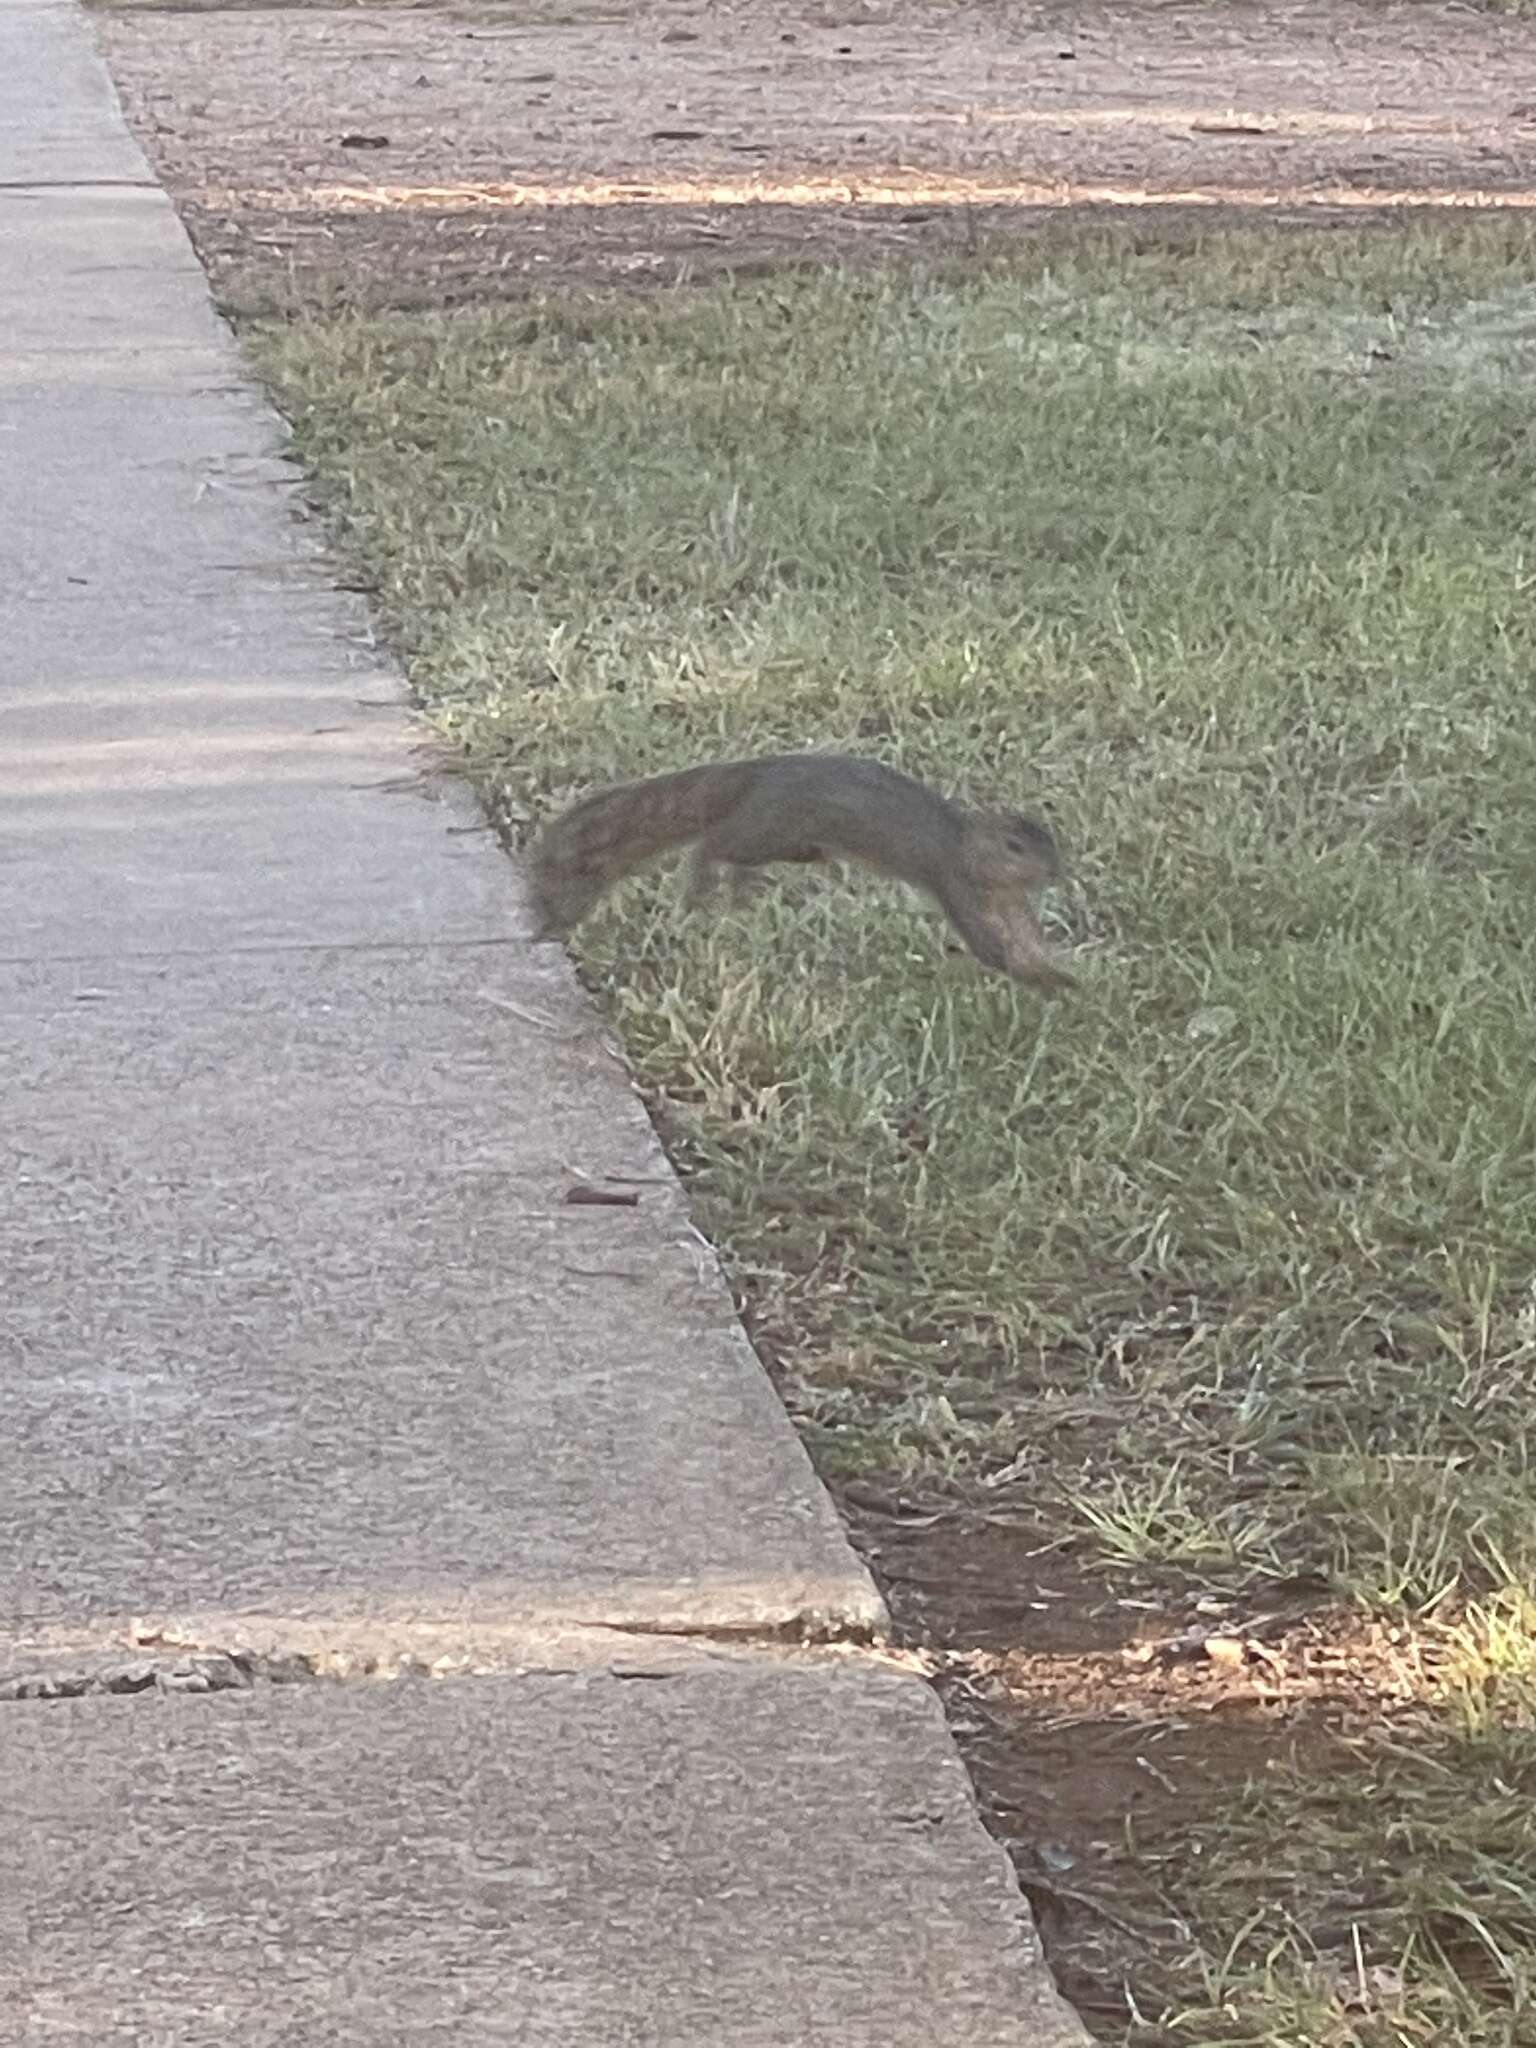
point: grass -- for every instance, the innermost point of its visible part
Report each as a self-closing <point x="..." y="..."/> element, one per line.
<point x="1218" y="550"/>
<point x="1387" y="1900"/>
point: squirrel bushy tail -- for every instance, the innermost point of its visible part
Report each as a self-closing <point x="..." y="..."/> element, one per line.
<point x="613" y="832"/>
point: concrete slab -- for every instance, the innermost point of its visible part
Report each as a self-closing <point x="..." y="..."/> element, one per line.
<point x="640" y="1864"/>
<point x="192" y="487"/>
<point x="213" y="774"/>
<point x="101" y="272"/>
<point x="220" y="770"/>
<point x="59" y="117"/>
<point x="298" y="1320"/>
<point x="100" y="668"/>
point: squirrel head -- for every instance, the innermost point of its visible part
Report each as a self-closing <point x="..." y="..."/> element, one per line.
<point x="1011" y="849"/>
<point x="1009" y="859"/>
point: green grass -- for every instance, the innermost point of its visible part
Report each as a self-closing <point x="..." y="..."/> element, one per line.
<point x="1220" y="551"/>
<point x="1382" y="1897"/>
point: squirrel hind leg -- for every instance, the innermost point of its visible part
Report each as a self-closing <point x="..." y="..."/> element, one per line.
<point x="562" y="898"/>
<point x="744" y="879"/>
<point x="703" y="879"/>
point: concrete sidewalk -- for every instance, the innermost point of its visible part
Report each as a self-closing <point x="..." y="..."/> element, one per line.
<point x="311" y="1381"/>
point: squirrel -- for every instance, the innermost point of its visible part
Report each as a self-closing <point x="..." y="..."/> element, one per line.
<point x="984" y="868"/>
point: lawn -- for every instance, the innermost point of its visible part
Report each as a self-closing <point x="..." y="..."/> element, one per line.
<point x="1215" y="548"/>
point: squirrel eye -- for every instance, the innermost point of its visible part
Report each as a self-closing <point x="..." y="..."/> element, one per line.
<point x="1032" y="840"/>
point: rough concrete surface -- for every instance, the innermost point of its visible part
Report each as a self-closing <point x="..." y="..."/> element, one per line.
<point x="176" y="748"/>
<point x="306" y="1359"/>
<point x="59" y="118"/>
<point x="300" y="1322"/>
<point x="779" y="1855"/>
<point x="50" y="244"/>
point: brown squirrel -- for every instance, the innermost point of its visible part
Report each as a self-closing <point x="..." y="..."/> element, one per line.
<point x="984" y="868"/>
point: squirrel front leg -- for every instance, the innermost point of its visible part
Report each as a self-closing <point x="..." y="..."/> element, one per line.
<point x="704" y="881"/>
<point x="561" y="901"/>
<point x="1005" y="935"/>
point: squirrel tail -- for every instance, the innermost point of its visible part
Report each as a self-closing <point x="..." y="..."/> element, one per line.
<point x="615" y="831"/>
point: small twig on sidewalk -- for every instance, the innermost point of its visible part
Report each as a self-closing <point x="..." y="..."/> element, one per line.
<point x="539" y="1023"/>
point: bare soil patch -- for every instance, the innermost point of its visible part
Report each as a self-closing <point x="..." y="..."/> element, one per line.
<point x="1108" y="1722"/>
<point x="412" y="154"/>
